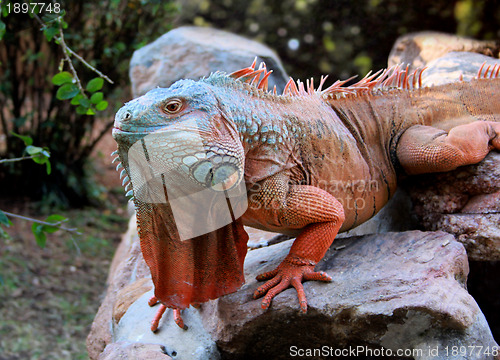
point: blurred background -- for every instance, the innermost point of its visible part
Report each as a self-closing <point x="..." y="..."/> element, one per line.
<point x="51" y="280"/>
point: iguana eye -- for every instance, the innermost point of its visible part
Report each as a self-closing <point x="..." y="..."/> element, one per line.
<point x="173" y="106"/>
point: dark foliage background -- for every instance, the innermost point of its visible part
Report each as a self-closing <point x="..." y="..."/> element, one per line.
<point x="341" y="37"/>
<point x="313" y="37"/>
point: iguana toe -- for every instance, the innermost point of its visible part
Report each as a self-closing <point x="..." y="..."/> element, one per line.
<point x="161" y="310"/>
<point x="284" y="276"/>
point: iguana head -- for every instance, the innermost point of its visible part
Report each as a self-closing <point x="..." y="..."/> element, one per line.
<point x="183" y="134"/>
<point x="179" y="141"/>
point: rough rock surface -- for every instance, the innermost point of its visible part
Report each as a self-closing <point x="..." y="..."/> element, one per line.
<point x="134" y="350"/>
<point x="464" y="202"/>
<point x="455" y="65"/>
<point x="418" y="49"/>
<point x="121" y="328"/>
<point x="128" y="265"/>
<point x="394" y="290"/>
<point x="192" y="52"/>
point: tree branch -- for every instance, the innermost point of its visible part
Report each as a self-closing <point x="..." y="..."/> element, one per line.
<point x="56" y="224"/>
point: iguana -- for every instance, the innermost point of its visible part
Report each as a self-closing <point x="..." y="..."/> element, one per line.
<point x="312" y="162"/>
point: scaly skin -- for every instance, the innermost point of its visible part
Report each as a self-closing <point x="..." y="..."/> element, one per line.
<point x="313" y="163"/>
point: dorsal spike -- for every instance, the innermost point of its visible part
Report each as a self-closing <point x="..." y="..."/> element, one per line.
<point x="241" y="73"/>
<point x="398" y="76"/>
<point x="321" y="82"/>
<point x="480" y="70"/>
<point x="254" y="63"/>
<point x="291" y="88"/>
<point x="420" y="76"/>
<point x="405" y="77"/>
<point x="263" y="84"/>
<point x="486" y="72"/>
<point x="254" y="77"/>
<point x="302" y="90"/>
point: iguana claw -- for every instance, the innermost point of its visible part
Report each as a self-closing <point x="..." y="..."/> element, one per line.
<point x="287" y="274"/>
<point x="156" y="320"/>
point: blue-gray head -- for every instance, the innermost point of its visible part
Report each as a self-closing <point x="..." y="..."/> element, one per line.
<point x="180" y="135"/>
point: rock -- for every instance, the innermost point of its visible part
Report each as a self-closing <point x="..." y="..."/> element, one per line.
<point x="394" y="291"/>
<point x="122" y="324"/>
<point x="192" y="52"/>
<point x="455" y="66"/>
<point x="418" y="49"/>
<point x="396" y="215"/>
<point x="192" y="344"/>
<point x="128" y="266"/>
<point x="465" y="203"/>
<point x="259" y="238"/>
<point x="135" y="350"/>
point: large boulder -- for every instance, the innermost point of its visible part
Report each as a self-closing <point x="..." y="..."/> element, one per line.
<point x="390" y="292"/>
<point x="420" y="48"/>
<point x="456" y="66"/>
<point x="465" y="203"/>
<point x="192" y="52"/>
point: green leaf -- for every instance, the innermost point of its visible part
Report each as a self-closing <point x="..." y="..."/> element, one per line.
<point x="102" y="105"/>
<point x="76" y="99"/>
<point x="4" y="220"/>
<point x="40" y="237"/>
<point x="82" y="110"/>
<point x="62" y="78"/>
<point x="67" y="91"/>
<point x="95" y="84"/>
<point x="40" y="156"/>
<point x="4" y="234"/>
<point x="50" y="32"/>
<point x="53" y="219"/>
<point x="26" y="139"/>
<point x="2" y="29"/>
<point x="96" y="97"/>
<point x="84" y="102"/>
<point x="33" y="150"/>
<point x="48" y="167"/>
<point x="90" y="111"/>
<point x="56" y="218"/>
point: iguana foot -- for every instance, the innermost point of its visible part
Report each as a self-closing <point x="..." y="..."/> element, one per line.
<point x="156" y="320"/>
<point x="291" y="272"/>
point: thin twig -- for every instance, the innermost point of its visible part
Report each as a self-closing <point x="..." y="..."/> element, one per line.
<point x="67" y="49"/>
<point x="89" y="66"/>
<point x="68" y="60"/>
<point x="56" y="224"/>
<point x="16" y="159"/>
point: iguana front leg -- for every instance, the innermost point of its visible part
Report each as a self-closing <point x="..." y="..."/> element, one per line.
<point x="425" y="149"/>
<point x="305" y="207"/>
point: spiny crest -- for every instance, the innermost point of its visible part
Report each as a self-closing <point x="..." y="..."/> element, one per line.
<point x="393" y="77"/>
<point x="126" y="183"/>
<point x="495" y="70"/>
